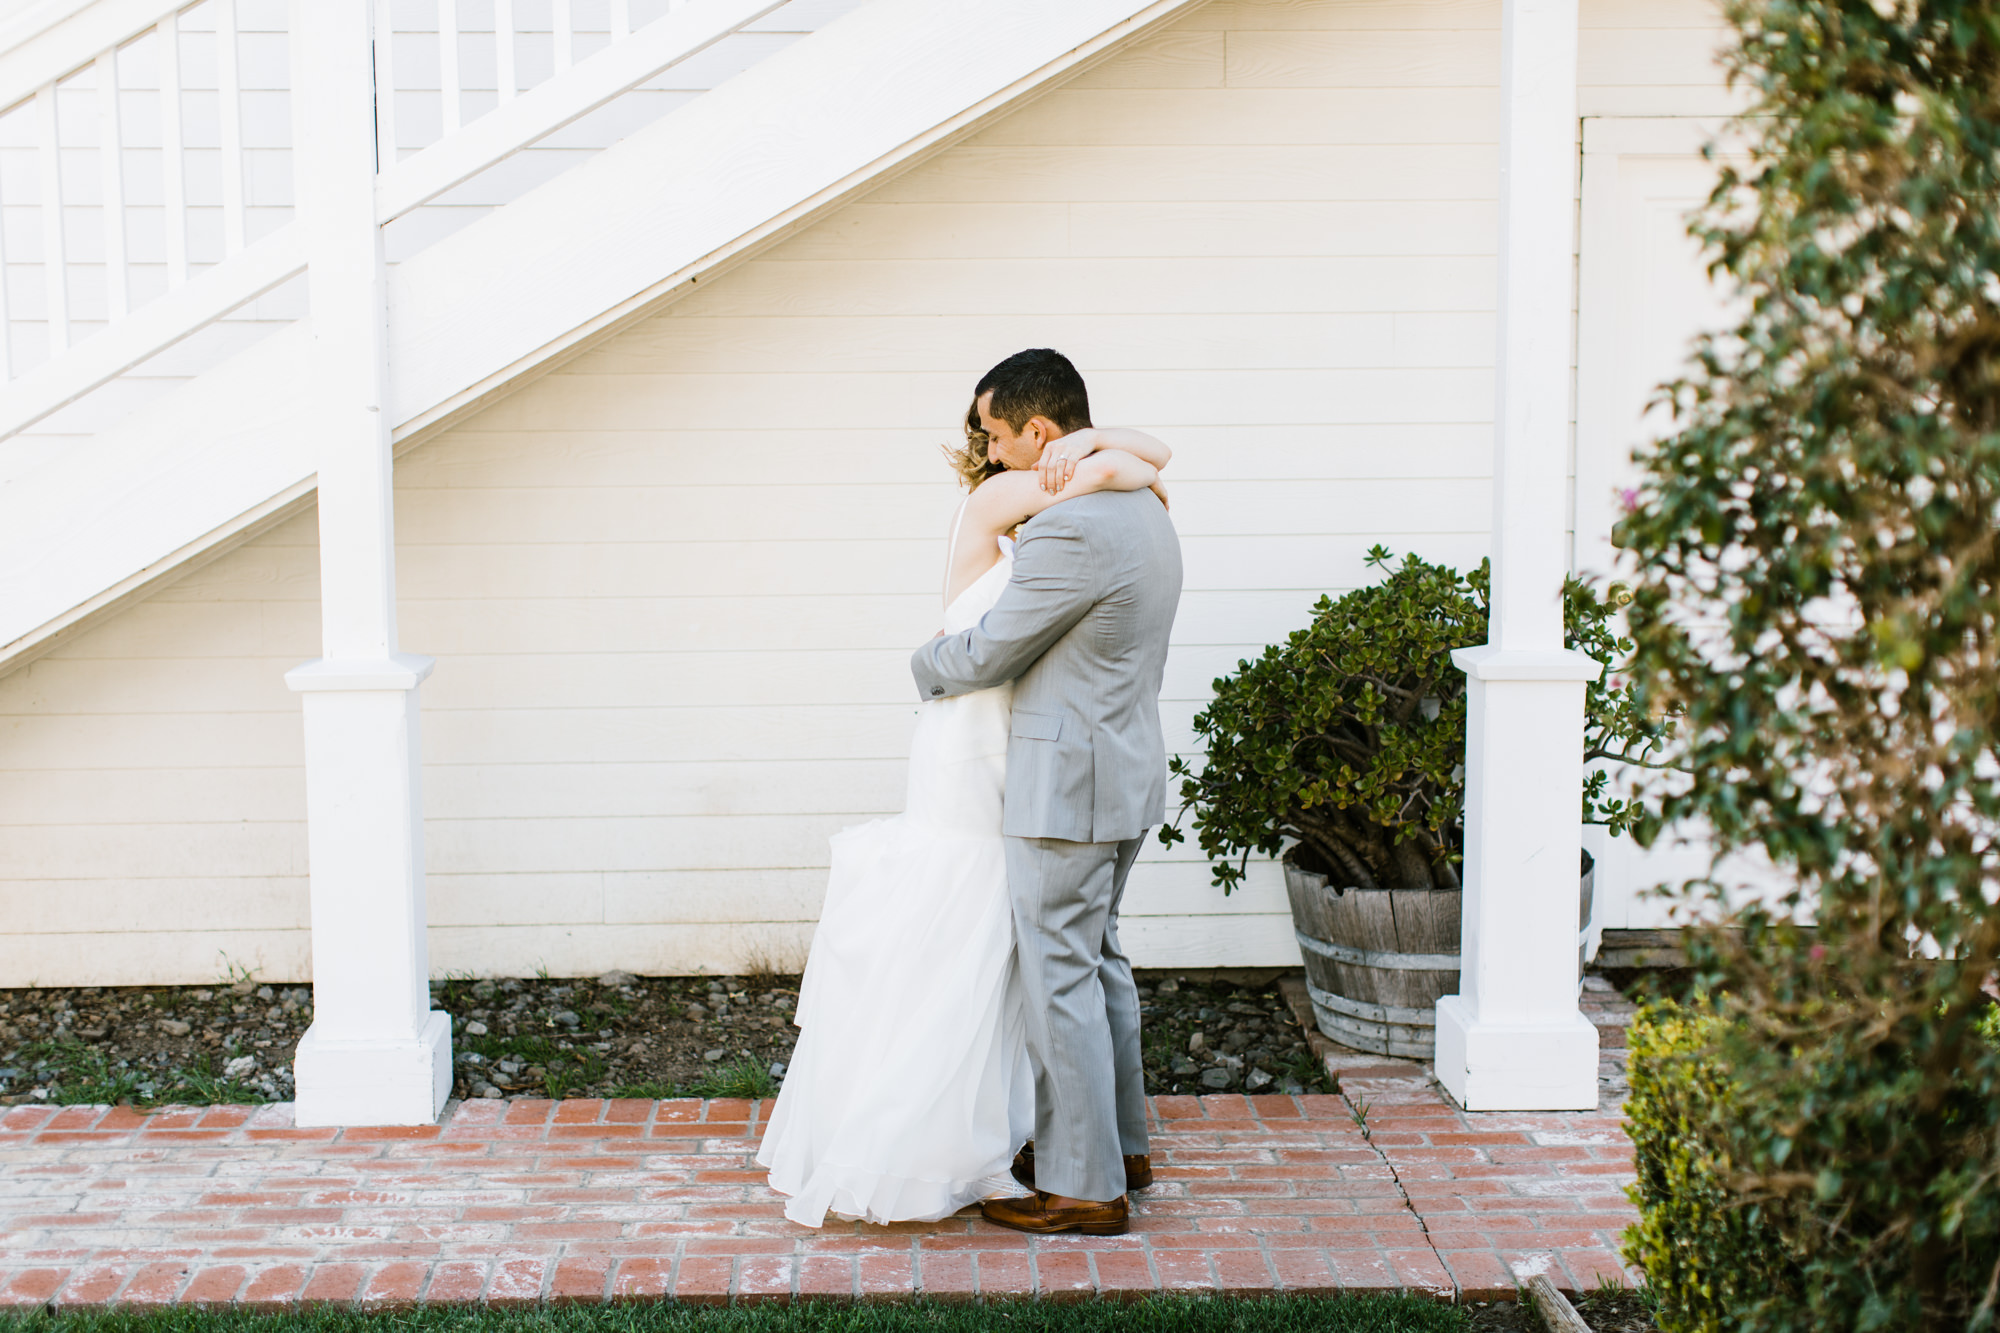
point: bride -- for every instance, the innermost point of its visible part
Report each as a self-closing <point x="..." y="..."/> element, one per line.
<point x="909" y="1091"/>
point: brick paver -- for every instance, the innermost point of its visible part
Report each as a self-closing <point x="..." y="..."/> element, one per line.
<point x="1386" y="1186"/>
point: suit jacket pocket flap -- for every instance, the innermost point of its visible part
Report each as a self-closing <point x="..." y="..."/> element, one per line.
<point x="1037" y="726"/>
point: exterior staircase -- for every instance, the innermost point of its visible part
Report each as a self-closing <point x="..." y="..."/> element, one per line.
<point x="541" y="184"/>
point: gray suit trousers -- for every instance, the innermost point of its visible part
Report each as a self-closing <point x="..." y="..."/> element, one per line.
<point x="1082" y="1011"/>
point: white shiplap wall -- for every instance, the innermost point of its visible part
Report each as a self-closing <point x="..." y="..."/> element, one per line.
<point x="672" y="588"/>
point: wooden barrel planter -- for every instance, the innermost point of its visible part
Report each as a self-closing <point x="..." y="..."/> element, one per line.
<point x="1379" y="960"/>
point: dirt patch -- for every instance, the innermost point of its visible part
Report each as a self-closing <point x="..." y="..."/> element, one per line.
<point x="1611" y="1310"/>
<point x="1616" y="1310"/>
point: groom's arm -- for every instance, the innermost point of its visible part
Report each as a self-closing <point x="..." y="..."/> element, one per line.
<point x="1048" y="593"/>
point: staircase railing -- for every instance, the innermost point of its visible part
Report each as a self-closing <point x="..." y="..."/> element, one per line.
<point x="165" y="61"/>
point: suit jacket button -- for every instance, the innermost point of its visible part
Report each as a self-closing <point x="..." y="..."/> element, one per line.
<point x="936" y="690"/>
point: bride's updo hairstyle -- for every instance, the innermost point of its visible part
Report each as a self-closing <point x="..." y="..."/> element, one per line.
<point x="969" y="460"/>
<point x="1040" y="382"/>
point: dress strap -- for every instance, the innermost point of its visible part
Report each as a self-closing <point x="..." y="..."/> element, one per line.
<point x="951" y="549"/>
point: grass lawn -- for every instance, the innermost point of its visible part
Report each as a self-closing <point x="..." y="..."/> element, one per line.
<point x="1160" y="1314"/>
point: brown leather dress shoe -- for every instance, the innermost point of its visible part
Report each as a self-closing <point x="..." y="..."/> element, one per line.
<point x="1138" y="1168"/>
<point x="1034" y="1216"/>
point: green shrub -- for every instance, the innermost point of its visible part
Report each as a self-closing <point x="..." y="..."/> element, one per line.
<point x="1349" y="737"/>
<point x="1817" y="599"/>
<point x="1705" y="1252"/>
<point x="1770" y="1188"/>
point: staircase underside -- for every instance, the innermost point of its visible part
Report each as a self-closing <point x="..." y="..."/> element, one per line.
<point x="524" y="289"/>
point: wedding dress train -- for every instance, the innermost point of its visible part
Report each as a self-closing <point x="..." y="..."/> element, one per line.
<point x="909" y="1090"/>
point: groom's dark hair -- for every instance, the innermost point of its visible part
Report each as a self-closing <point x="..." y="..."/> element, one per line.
<point x="1039" y="382"/>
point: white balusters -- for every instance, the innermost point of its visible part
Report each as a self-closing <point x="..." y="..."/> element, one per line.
<point x="541" y="93"/>
<point x="564" y="33"/>
<point x="55" y="255"/>
<point x="173" y="162"/>
<point x="448" y="82"/>
<point x="104" y="103"/>
<point x="229" y="105"/>
<point x="111" y="174"/>
<point x="503" y="49"/>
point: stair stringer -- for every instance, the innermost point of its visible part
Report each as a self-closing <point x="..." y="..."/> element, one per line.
<point x="527" y="287"/>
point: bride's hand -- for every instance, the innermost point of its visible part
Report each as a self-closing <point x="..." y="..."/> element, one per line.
<point x="1160" y="489"/>
<point x="1060" y="457"/>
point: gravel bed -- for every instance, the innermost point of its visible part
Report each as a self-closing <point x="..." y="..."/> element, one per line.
<point x="1223" y="1032"/>
<point x="230" y="1042"/>
<point x="617" y="1035"/>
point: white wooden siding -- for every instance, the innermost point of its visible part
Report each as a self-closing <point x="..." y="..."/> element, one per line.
<point x="673" y="587"/>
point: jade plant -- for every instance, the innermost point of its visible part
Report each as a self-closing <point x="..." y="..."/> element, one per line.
<point x="1346" y="743"/>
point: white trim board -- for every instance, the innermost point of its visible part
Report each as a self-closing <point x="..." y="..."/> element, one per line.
<point x="1610" y="390"/>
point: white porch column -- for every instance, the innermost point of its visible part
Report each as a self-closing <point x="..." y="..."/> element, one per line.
<point x="376" y="1053"/>
<point x="1512" y="1039"/>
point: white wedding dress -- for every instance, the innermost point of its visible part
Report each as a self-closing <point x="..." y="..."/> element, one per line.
<point x="910" y="1091"/>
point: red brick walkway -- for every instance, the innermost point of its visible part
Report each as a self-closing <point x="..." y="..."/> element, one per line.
<point x="588" y="1200"/>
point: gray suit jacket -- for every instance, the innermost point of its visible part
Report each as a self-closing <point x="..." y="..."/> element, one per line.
<point x="1081" y="630"/>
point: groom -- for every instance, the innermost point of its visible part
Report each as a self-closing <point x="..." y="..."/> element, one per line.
<point x="1081" y="630"/>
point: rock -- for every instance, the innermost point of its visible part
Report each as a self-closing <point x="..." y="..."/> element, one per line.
<point x="486" y="1090"/>
<point x="777" y="1069"/>
<point x="714" y="1055"/>
<point x="617" y="978"/>
<point x="696" y="1013"/>
<point x="244" y="987"/>
<point x="266" y="993"/>
<point x="1196" y="1042"/>
<point x="1216" y="1078"/>
<point x="1168" y="987"/>
<point x="202" y="997"/>
<point x="240" y="1067"/>
<point x="566" y="1017"/>
<point x="1258" y="1079"/>
<point x="173" y="1027"/>
<point x="1184" y="1066"/>
<point x="475" y="1029"/>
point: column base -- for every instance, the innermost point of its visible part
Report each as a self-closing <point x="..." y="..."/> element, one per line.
<point x="374" y="1082"/>
<point x="1516" y="1066"/>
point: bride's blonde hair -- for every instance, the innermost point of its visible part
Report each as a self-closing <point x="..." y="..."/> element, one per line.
<point x="970" y="459"/>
